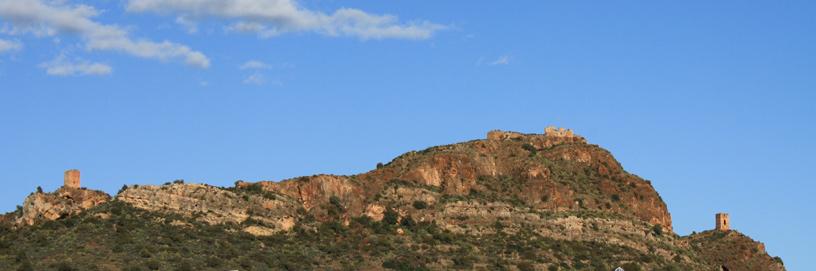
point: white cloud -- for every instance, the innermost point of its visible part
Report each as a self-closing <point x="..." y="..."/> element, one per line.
<point x="255" y="65"/>
<point x="9" y="45"/>
<point x="190" y="25"/>
<point x="502" y="60"/>
<point x="270" y="18"/>
<point x="64" y="67"/>
<point x="49" y="18"/>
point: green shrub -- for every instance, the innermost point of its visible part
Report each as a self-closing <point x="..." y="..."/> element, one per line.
<point x="184" y="266"/>
<point x="390" y="217"/>
<point x="463" y="262"/>
<point x="145" y="253"/>
<point x="408" y="222"/>
<point x="336" y="208"/>
<point x="403" y="264"/>
<point x="63" y="266"/>
<point x="153" y="265"/>
<point x="670" y="267"/>
<point x="631" y="267"/>
<point x="530" y="148"/>
<point x="213" y="261"/>
<point x="526" y="266"/>
<point x="419" y="205"/>
<point x="657" y="229"/>
<point x="21" y="257"/>
<point x="25" y="266"/>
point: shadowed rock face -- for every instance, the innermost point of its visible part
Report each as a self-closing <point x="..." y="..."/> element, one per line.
<point x="64" y="202"/>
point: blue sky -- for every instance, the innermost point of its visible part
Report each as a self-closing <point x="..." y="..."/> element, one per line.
<point x="713" y="101"/>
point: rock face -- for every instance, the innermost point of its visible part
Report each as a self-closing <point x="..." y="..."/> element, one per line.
<point x="734" y="251"/>
<point x="64" y="202"/>
<point x="213" y="205"/>
<point x="554" y="187"/>
<point x="554" y="171"/>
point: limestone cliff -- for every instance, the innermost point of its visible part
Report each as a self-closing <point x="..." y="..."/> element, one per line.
<point x="558" y="171"/>
<point x="512" y="201"/>
<point x="64" y="202"/>
<point x="734" y="251"/>
<point x="214" y="205"/>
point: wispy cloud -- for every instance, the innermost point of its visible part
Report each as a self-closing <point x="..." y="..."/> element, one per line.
<point x="502" y="60"/>
<point x="258" y="71"/>
<point x="9" y="46"/>
<point x="189" y="25"/>
<point x="49" y="18"/>
<point x="269" y="18"/>
<point x="255" y="79"/>
<point x="62" y="66"/>
<point x="255" y="65"/>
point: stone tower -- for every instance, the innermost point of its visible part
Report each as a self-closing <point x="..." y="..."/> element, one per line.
<point x="71" y="178"/>
<point x="722" y="222"/>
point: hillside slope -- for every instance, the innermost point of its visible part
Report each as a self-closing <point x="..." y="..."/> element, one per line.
<point x="509" y="202"/>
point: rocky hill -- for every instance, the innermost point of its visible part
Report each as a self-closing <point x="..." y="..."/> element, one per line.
<point x="509" y="202"/>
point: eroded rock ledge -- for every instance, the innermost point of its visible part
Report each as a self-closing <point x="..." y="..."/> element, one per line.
<point x="215" y="205"/>
<point x="64" y="202"/>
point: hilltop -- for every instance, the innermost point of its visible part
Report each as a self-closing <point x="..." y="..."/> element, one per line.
<point x="511" y="201"/>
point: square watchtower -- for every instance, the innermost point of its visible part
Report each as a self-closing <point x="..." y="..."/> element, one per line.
<point x="71" y="178"/>
<point x="723" y="224"/>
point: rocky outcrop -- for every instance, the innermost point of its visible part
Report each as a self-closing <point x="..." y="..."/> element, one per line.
<point x="213" y="205"/>
<point x="314" y="192"/>
<point x="555" y="171"/>
<point x="732" y="250"/>
<point x="64" y="202"/>
<point x="554" y="187"/>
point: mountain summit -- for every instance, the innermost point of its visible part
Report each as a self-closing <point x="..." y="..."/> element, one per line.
<point x="511" y="201"/>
